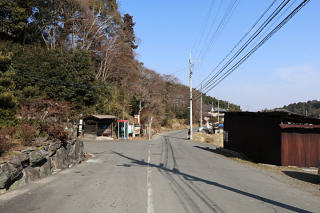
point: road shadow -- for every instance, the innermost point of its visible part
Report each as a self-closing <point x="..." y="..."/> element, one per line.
<point x="303" y="176"/>
<point x="224" y="152"/>
<point x="213" y="183"/>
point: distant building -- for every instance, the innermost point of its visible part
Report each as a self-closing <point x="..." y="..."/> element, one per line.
<point x="212" y="115"/>
<point x="279" y="138"/>
<point x="218" y="113"/>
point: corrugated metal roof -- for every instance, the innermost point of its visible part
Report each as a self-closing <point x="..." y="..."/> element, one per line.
<point x="295" y="126"/>
<point x="104" y="116"/>
<point x="284" y="116"/>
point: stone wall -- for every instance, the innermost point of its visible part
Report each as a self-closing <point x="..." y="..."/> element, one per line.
<point x="40" y="161"/>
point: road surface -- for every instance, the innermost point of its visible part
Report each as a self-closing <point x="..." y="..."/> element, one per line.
<point x="168" y="174"/>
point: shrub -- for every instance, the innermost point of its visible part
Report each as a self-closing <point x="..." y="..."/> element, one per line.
<point x="6" y="135"/>
<point x="28" y="133"/>
<point x="7" y="109"/>
<point x="29" y="92"/>
<point x="57" y="131"/>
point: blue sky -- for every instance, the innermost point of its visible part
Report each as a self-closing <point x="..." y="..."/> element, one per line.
<point x="284" y="70"/>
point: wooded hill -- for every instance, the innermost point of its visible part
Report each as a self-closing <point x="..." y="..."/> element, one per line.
<point x="311" y="108"/>
<point x="72" y="57"/>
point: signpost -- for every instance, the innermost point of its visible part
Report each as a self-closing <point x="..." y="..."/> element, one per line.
<point x="136" y="125"/>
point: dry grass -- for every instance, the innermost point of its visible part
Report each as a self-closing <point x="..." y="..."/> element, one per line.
<point x="177" y="124"/>
<point x="214" y="139"/>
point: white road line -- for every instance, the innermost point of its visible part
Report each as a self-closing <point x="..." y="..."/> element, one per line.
<point x="149" y="186"/>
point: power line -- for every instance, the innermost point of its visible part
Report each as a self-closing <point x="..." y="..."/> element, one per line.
<point x="276" y="29"/>
<point x="213" y="35"/>
<point x="245" y="45"/>
<point x="225" y="19"/>
<point x="239" y="42"/>
<point x="208" y="32"/>
<point x="273" y="23"/>
<point x="214" y="84"/>
<point x="204" y="26"/>
<point x="177" y="71"/>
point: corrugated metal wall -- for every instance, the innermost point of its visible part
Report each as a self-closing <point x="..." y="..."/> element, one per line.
<point x="259" y="138"/>
<point x="300" y="149"/>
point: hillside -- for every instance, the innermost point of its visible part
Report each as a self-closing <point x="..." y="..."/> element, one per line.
<point x="311" y="108"/>
<point x="222" y="104"/>
<point x="86" y="65"/>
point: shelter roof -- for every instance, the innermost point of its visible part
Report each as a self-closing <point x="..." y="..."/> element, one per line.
<point x="103" y="116"/>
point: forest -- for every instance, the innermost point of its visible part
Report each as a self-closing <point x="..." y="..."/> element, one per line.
<point x="60" y="59"/>
<point x="309" y="108"/>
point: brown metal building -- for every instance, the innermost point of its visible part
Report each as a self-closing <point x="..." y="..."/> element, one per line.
<point x="278" y="138"/>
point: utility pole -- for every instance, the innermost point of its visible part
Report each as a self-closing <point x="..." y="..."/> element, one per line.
<point x="201" y="107"/>
<point x="190" y="80"/>
<point x="218" y="110"/>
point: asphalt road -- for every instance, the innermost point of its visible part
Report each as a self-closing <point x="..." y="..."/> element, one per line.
<point x="167" y="174"/>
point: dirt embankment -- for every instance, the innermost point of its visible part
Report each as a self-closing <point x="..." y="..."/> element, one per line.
<point x="177" y="124"/>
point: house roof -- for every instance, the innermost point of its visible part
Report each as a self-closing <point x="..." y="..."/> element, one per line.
<point x="216" y="109"/>
<point x="208" y="108"/>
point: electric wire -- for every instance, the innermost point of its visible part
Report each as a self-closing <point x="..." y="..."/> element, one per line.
<point x="273" y="24"/>
<point x="208" y="32"/>
<point x="246" y="44"/>
<point x="239" y="42"/>
<point x="225" y="19"/>
<point x="204" y="26"/>
<point x="276" y="29"/>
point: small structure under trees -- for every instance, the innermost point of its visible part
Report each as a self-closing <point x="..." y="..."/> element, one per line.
<point x="99" y="125"/>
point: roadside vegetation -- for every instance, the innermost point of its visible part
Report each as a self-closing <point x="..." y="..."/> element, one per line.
<point x="63" y="58"/>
